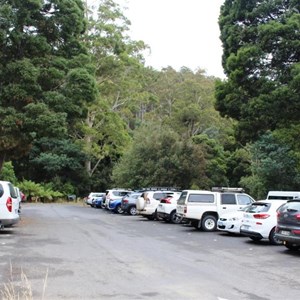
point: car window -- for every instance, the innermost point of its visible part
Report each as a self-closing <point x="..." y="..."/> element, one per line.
<point x="228" y="199"/>
<point x="182" y="198"/>
<point x="244" y="199"/>
<point x="1" y="190"/>
<point x="12" y="191"/>
<point x="291" y="206"/>
<point x="259" y="207"/>
<point x="201" y="198"/>
<point x="158" y="196"/>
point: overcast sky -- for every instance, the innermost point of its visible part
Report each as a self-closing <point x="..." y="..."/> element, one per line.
<point x="179" y="32"/>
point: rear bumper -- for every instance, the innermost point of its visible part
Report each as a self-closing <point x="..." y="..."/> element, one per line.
<point x="286" y="238"/>
<point x="253" y="234"/>
<point x="9" y="222"/>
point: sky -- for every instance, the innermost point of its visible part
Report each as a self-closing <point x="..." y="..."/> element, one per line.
<point x="179" y="32"/>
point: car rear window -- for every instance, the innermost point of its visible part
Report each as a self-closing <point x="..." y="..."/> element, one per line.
<point x="182" y="198"/>
<point x="292" y="205"/>
<point x="259" y="207"/>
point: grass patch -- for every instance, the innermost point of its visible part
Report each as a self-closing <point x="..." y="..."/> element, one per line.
<point x="22" y="290"/>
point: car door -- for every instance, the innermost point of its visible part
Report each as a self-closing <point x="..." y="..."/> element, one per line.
<point x="228" y="203"/>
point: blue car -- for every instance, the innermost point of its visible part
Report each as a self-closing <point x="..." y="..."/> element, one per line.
<point x="97" y="200"/>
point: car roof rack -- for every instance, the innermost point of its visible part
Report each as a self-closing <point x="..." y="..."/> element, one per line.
<point x="160" y="188"/>
<point x="227" y="189"/>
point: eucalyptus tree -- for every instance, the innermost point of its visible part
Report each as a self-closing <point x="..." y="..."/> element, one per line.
<point x="261" y="58"/>
<point x="119" y="72"/>
<point x="44" y="84"/>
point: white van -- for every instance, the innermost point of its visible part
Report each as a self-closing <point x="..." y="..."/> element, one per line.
<point x="9" y="204"/>
<point x="283" y="195"/>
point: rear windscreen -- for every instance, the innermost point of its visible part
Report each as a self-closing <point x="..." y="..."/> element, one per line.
<point x="257" y="208"/>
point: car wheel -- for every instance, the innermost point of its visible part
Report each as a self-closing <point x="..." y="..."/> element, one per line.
<point x="156" y="217"/>
<point x="132" y="210"/>
<point x="273" y="239"/>
<point x="292" y="246"/>
<point x="174" y="218"/>
<point x="209" y="223"/>
<point x="119" y="209"/>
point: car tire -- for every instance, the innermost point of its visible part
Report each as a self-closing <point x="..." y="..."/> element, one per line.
<point x="272" y="238"/>
<point x="119" y="209"/>
<point x="209" y="223"/>
<point x="132" y="211"/>
<point x="174" y="218"/>
<point x="291" y="246"/>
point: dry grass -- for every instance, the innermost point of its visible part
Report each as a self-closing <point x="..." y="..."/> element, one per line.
<point x="22" y="290"/>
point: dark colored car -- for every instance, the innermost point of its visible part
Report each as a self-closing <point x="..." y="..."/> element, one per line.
<point x="288" y="224"/>
<point x="128" y="203"/>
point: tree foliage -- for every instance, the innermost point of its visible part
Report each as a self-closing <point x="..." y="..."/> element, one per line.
<point x="261" y="41"/>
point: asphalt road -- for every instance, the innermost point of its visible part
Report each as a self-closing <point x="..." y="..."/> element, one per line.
<point x="76" y="252"/>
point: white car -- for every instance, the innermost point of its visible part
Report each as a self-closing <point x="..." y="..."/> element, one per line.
<point x="166" y="209"/>
<point x="93" y="196"/>
<point x="231" y="222"/>
<point x="260" y="220"/>
<point x="148" y="202"/>
<point x="9" y="204"/>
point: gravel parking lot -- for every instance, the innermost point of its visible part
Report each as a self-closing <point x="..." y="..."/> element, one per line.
<point x="77" y="252"/>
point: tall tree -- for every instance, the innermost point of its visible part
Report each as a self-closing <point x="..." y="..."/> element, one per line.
<point x="261" y="41"/>
<point x="39" y="44"/>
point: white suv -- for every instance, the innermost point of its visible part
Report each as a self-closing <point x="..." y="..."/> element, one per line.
<point x="148" y="202"/>
<point x="9" y="204"/>
<point x="203" y="208"/>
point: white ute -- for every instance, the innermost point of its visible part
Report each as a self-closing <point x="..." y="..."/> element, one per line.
<point x="203" y="208"/>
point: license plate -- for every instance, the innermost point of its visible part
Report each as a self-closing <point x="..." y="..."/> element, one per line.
<point x="285" y="232"/>
<point x="245" y="227"/>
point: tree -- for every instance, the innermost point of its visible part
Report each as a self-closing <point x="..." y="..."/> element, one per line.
<point x="39" y="45"/>
<point x="275" y="166"/>
<point x="158" y="157"/>
<point x="261" y="41"/>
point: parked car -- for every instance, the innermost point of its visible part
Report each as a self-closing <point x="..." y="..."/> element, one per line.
<point x="128" y="203"/>
<point x="148" y="202"/>
<point x="231" y="222"/>
<point x="92" y="196"/>
<point x="282" y="195"/>
<point x="9" y="204"/>
<point x="288" y="224"/>
<point x="97" y="200"/>
<point x="166" y="209"/>
<point x="113" y="199"/>
<point x="203" y="208"/>
<point x="260" y="220"/>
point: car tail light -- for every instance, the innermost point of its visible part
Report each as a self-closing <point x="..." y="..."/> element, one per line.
<point x="166" y="200"/>
<point x="125" y="201"/>
<point x="297" y="216"/>
<point x="296" y="231"/>
<point x="185" y="210"/>
<point x="9" y="204"/>
<point x="261" y="216"/>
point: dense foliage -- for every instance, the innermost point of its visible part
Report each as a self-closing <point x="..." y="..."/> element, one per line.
<point x="80" y="111"/>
